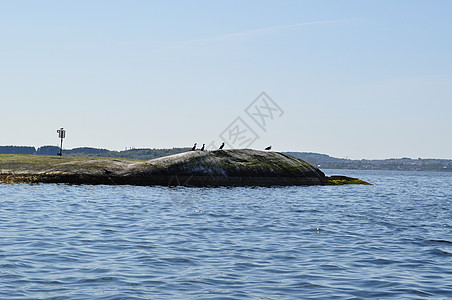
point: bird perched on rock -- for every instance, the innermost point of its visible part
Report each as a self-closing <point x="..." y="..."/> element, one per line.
<point x="268" y="148"/>
<point x="221" y="146"/>
<point x="202" y="148"/>
<point x="194" y="147"/>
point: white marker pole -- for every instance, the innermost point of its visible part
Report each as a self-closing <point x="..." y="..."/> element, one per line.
<point x="61" y="135"/>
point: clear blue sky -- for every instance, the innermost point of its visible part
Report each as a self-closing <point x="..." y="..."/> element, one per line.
<point x="357" y="79"/>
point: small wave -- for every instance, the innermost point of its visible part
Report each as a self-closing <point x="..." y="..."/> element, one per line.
<point x="440" y="242"/>
<point x="378" y="261"/>
<point x="179" y="260"/>
<point x="100" y="279"/>
<point x="8" y="266"/>
<point x="440" y="252"/>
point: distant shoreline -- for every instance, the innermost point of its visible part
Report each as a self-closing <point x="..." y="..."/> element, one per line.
<point x="323" y="161"/>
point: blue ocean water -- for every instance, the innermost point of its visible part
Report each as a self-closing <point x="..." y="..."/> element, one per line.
<point x="392" y="240"/>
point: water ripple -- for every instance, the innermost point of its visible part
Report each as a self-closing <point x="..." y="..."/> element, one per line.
<point x="390" y="240"/>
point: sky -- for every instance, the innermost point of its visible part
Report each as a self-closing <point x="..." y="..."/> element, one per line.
<point x="351" y="79"/>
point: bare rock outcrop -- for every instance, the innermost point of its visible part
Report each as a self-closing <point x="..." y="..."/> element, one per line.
<point x="236" y="167"/>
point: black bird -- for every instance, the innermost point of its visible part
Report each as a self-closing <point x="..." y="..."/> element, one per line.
<point x="221" y="146"/>
<point x="194" y="147"/>
<point x="268" y="148"/>
<point x="203" y="145"/>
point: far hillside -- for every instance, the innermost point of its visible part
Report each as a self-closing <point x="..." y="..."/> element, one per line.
<point x="324" y="161"/>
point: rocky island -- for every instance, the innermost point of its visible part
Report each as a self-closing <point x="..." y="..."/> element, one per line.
<point x="236" y="167"/>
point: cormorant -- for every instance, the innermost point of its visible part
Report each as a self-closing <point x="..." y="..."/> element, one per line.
<point x="221" y="146"/>
<point x="194" y="147"/>
<point x="203" y="145"/>
<point x="268" y="148"/>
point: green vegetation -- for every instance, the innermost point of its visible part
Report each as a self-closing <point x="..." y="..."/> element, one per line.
<point x="32" y="168"/>
<point x="34" y="162"/>
<point x="16" y="179"/>
<point x="342" y="180"/>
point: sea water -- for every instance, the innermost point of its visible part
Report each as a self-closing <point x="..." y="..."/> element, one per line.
<point x="391" y="240"/>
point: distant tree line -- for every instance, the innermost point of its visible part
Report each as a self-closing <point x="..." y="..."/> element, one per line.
<point x="17" y="150"/>
<point x="143" y="154"/>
